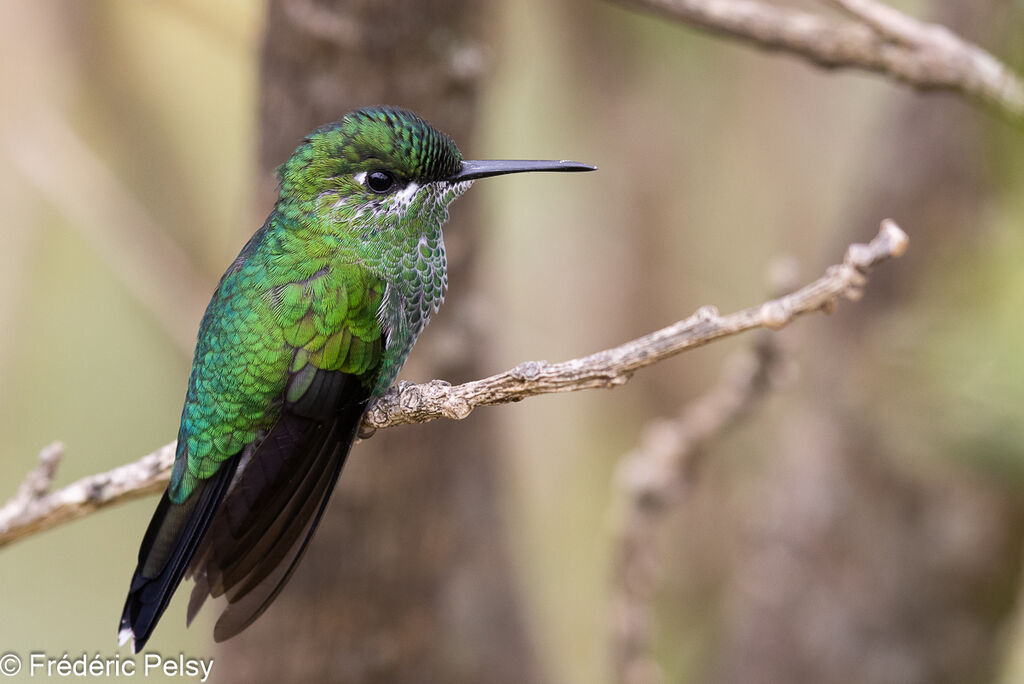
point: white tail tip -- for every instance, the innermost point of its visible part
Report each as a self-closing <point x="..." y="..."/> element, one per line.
<point x="126" y="635"/>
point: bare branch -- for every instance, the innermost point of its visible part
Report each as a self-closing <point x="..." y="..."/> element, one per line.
<point x="893" y="24"/>
<point x="652" y="477"/>
<point x="878" y="39"/>
<point x="39" y="480"/>
<point x="34" y="508"/>
<point x="411" y="403"/>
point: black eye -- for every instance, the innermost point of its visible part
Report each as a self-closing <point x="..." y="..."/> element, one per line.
<point x="380" y="181"/>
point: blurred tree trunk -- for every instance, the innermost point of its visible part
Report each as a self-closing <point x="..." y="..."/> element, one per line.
<point x="408" y="579"/>
<point x="865" y="565"/>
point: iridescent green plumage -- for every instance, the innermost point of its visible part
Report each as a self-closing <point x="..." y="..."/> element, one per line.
<point x="315" y="317"/>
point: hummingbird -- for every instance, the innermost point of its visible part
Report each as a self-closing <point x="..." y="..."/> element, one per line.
<point x="313" y="319"/>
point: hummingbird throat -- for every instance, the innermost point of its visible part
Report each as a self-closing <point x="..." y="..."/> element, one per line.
<point x="403" y="242"/>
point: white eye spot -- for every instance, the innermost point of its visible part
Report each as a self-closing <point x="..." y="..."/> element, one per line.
<point x="360" y="177"/>
<point x="405" y="195"/>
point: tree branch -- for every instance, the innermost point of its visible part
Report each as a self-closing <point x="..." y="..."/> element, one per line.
<point x="877" y="38"/>
<point x="409" y="403"/>
<point x="35" y="508"/>
<point x="652" y="477"/>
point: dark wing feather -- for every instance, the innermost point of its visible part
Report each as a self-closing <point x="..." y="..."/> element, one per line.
<point x="272" y="510"/>
<point x="171" y="539"/>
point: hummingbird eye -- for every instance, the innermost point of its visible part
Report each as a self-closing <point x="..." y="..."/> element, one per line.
<point x="380" y="181"/>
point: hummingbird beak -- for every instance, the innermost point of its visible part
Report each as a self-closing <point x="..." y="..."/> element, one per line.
<point x="471" y="170"/>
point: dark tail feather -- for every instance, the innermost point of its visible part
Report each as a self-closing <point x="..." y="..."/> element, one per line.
<point x="171" y="540"/>
<point x="250" y="594"/>
<point x="266" y="521"/>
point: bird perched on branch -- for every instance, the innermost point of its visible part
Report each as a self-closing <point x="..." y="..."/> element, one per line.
<point x="314" y="318"/>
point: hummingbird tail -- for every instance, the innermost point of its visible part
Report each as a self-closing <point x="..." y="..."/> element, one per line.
<point x="171" y="539"/>
<point x="279" y="496"/>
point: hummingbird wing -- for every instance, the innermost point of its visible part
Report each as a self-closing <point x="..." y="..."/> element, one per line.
<point x="265" y="522"/>
<point x="280" y="381"/>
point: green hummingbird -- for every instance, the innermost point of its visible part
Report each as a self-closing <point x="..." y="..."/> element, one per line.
<point x="314" y="318"/>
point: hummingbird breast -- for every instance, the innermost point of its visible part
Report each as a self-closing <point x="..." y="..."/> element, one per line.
<point x="416" y="274"/>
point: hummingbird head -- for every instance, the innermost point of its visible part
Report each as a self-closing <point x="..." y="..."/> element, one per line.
<point x="384" y="168"/>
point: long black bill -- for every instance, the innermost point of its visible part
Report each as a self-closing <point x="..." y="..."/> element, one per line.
<point x="471" y="170"/>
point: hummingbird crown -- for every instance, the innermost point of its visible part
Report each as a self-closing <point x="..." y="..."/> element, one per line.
<point x="381" y="149"/>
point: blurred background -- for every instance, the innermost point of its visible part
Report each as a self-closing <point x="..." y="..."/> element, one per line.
<point x="865" y="525"/>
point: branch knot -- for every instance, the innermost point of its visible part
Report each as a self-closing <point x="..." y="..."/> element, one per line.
<point x="528" y="370"/>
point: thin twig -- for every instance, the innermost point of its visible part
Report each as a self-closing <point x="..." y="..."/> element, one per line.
<point x="651" y="478"/>
<point x="35" y="508"/>
<point x="892" y="23"/>
<point x="655" y="476"/>
<point x="410" y="403"/>
<point x="39" y="480"/>
<point x="878" y="39"/>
